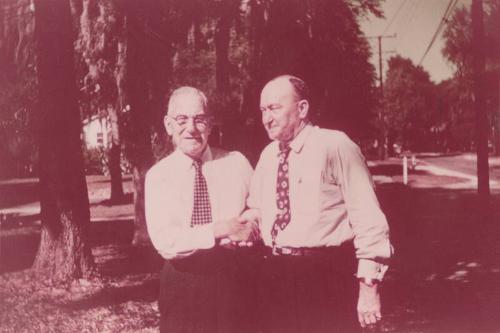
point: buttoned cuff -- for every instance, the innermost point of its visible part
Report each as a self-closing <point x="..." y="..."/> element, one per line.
<point x="370" y="269"/>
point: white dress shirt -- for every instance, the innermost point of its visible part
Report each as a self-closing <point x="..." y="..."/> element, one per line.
<point x="332" y="199"/>
<point x="169" y="199"/>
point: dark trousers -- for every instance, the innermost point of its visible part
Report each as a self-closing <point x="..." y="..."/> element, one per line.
<point x="315" y="293"/>
<point x="209" y="291"/>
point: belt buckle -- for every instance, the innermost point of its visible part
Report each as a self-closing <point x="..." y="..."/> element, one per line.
<point x="282" y="251"/>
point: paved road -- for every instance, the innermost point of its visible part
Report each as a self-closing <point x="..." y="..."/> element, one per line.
<point x="464" y="163"/>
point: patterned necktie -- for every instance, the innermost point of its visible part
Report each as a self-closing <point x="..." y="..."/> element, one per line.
<point x="282" y="194"/>
<point x="202" y="214"/>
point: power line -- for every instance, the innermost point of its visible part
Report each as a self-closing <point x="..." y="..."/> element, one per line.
<point x="414" y="13"/>
<point x="404" y="19"/>
<point x="448" y="11"/>
<point x="393" y="18"/>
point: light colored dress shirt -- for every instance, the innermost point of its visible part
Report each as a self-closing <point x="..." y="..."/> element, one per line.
<point x="332" y="199"/>
<point x="169" y="199"/>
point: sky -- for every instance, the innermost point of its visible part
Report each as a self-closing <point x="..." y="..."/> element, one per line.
<point x="414" y="22"/>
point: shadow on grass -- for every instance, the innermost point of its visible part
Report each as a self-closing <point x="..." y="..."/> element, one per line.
<point x="18" y="247"/>
<point x="13" y="194"/>
<point x="147" y="291"/>
<point x="122" y="259"/>
<point x="110" y="241"/>
<point x="445" y="276"/>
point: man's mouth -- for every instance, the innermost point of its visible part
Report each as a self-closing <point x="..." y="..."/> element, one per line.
<point x="193" y="138"/>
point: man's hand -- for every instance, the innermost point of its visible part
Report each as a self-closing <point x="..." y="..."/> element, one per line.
<point x="243" y="229"/>
<point x="248" y="230"/>
<point x="250" y="215"/>
<point x="368" y="304"/>
<point x="251" y="218"/>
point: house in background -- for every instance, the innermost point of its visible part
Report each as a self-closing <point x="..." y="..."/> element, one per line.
<point x="96" y="132"/>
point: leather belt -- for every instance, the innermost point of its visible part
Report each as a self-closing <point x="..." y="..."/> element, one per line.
<point x="301" y="251"/>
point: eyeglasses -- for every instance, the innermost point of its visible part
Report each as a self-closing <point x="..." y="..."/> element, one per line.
<point x="200" y="121"/>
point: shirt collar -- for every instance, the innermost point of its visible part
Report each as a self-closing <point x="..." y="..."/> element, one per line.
<point x="186" y="161"/>
<point x="298" y="142"/>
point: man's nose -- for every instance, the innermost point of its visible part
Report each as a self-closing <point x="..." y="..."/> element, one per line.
<point x="190" y="125"/>
<point x="266" y="117"/>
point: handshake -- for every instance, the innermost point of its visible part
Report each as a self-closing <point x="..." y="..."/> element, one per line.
<point x="238" y="231"/>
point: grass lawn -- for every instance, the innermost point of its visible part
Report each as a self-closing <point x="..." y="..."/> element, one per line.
<point x="445" y="276"/>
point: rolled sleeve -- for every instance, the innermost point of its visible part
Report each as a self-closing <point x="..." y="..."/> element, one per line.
<point x="368" y="222"/>
<point x="370" y="269"/>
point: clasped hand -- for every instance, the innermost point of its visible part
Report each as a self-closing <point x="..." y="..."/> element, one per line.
<point x="241" y="231"/>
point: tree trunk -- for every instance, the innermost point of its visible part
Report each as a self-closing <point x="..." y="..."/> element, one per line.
<point x="114" y="165"/>
<point x="117" y="193"/>
<point x="222" y="54"/>
<point x="138" y="138"/>
<point x="64" y="253"/>
<point x="198" y="38"/>
<point x="252" y="143"/>
<point x="482" y="126"/>
<point x="497" y="118"/>
<point x="141" y="236"/>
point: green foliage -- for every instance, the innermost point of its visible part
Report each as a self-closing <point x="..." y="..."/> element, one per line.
<point x="321" y="41"/>
<point x="18" y="151"/>
<point x="182" y="42"/>
<point x="458" y="38"/>
<point x="457" y="95"/>
<point x="95" y="161"/>
<point x="456" y="116"/>
<point x="410" y="105"/>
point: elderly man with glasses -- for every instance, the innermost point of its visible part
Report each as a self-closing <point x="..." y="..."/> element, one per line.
<point x="194" y="198"/>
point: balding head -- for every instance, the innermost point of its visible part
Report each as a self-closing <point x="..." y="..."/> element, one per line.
<point x="179" y="96"/>
<point x="284" y="111"/>
<point x="300" y="88"/>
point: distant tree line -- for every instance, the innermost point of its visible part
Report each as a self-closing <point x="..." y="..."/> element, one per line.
<point x="120" y="60"/>
<point x="420" y="115"/>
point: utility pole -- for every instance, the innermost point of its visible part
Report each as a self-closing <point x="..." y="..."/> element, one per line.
<point x="382" y="146"/>
<point x="482" y="126"/>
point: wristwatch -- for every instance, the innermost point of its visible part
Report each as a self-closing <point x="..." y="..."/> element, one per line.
<point x="369" y="282"/>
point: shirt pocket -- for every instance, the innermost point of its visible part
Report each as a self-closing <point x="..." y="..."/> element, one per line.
<point x="330" y="190"/>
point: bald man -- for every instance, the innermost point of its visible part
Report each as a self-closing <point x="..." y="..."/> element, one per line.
<point x="194" y="198"/>
<point x="319" y="215"/>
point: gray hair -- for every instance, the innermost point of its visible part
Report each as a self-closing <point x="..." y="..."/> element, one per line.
<point x="186" y="90"/>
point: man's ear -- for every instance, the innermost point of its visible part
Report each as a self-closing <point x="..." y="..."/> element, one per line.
<point x="167" y="122"/>
<point x="210" y="125"/>
<point x="303" y="106"/>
